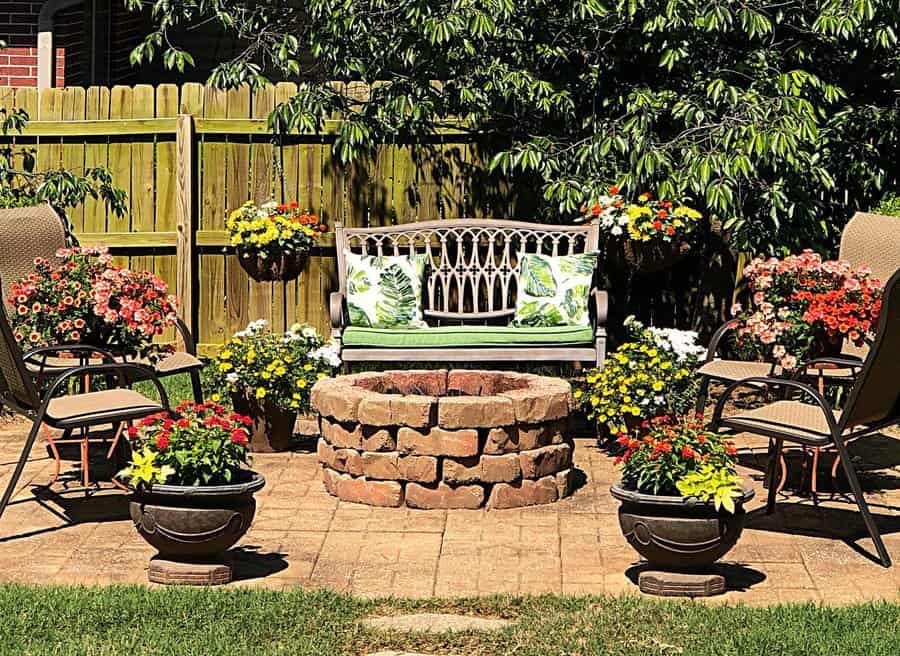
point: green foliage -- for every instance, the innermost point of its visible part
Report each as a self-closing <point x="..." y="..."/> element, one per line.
<point x="22" y="185"/>
<point x="780" y="119"/>
<point x="889" y="205"/>
<point x="717" y="484"/>
<point x="397" y="301"/>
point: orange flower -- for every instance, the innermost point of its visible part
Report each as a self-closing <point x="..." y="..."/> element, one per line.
<point x="658" y="224"/>
<point x="662" y="214"/>
<point x="613" y="191"/>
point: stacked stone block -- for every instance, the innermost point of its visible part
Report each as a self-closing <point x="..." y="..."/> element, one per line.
<point x="439" y="439"/>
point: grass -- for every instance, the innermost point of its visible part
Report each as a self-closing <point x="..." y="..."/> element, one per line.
<point x="135" y="620"/>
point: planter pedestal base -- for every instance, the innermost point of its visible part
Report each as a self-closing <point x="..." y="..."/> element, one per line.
<point x="677" y="584"/>
<point x="172" y="572"/>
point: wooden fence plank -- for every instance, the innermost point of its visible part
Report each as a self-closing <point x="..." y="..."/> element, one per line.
<point x="186" y="283"/>
<point x="212" y="210"/>
<point x="166" y="184"/>
<point x="262" y="179"/>
<point x="73" y="149"/>
<point x="121" y="106"/>
<point x="143" y="186"/>
<point x="237" y="281"/>
<point x="96" y="153"/>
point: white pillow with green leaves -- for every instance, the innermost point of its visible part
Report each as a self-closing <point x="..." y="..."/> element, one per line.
<point x="554" y="290"/>
<point x="385" y="291"/>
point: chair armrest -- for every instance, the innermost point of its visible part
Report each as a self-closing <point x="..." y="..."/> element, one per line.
<point x="118" y="369"/>
<point x="601" y="305"/>
<point x="845" y="362"/>
<point x="190" y="346"/>
<point x="40" y="354"/>
<point x="336" y="312"/>
<point x="717" y="337"/>
<point x="774" y="382"/>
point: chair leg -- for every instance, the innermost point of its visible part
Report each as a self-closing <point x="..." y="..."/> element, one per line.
<point x="702" y="395"/>
<point x="196" y="387"/>
<point x="85" y="460"/>
<point x="17" y="473"/>
<point x="770" y="475"/>
<point x="856" y="488"/>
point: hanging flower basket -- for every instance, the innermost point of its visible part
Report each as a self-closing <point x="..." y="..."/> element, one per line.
<point x="273" y="240"/>
<point x="654" y="256"/>
<point x="280" y="266"/>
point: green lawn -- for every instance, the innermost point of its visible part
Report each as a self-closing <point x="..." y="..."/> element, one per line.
<point x="134" y="620"/>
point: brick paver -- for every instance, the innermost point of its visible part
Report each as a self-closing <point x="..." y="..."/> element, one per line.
<point x="304" y="537"/>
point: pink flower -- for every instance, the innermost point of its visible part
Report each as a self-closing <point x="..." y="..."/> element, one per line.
<point x="789" y="362"/>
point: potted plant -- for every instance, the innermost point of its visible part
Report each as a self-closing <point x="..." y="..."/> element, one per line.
<point x="272" y="239"/>
<point x="192" y="495"/>
<point x="84" y="298"/>
<point x="270" y="375"/>
<point x="652" y="234"/>
<point x="681" y="500"/>
<point x="802" y="307"/>
<point x="649" y="375"/>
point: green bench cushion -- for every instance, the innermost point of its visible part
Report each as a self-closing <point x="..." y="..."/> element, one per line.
<point x="467" y="336"/>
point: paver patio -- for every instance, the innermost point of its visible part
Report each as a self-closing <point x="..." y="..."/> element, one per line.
<point x="304" y="537"/>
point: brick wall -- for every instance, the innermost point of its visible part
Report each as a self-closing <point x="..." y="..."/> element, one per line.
<point x="19" y="26"/>
<point x="18" y="67"/>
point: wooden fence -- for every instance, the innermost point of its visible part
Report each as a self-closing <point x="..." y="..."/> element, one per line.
<point x="187" y="155"/>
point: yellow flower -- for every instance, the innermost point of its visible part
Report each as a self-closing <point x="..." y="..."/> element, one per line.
<point x="595" y="400"/>
<point x="301" y="383"/>
<point x="307" y="367"/>
<point x="225" y="355"/>
<point x="216" y="398"/>
<point x="225" y="366"/>
<point x="260" y="392"/>
<point x="578" y="394"/>
<point x="265" y="375"/>
<point x="657" y="386"/>
<point x="321" y="375"/>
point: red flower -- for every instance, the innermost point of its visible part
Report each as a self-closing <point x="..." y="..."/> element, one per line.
<point x="687" y="452"/>
<point x="162" y="442"/>
<point x="730" y="449"/>
<point x="658" y="224"/>
<point x="132" y="432"/>
<point x="614" y="190"/>
<point x="239" y="436"/>
<point x="184" y="422"/>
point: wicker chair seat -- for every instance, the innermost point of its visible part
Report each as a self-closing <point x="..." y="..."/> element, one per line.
<point x="97" y="407"/>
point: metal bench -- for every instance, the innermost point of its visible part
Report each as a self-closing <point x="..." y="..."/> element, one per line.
<point x="469" y="293"/>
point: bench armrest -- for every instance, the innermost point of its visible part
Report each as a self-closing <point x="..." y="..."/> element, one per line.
<point x="336" y="312"/>
<point x="601" y="305"/>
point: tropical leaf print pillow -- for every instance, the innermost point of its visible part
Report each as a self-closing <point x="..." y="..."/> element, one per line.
<point x="554" y="291"/>
<point x="385" y="291"/>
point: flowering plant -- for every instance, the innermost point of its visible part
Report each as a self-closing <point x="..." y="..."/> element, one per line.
<point x="680" y="453"/>
<point x="200" y="444"/>
<point x="272" y="228"/>
<point x="84" y="297"/>
<point x="643" y="220"/>
<point x="278" y="368"/>
<point x="801" y="304"/>
<point x="647" y="376"/>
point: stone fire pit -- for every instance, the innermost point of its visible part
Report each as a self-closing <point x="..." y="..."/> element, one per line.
<point x="433" y="439"/>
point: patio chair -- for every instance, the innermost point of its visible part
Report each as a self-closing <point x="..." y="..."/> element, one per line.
<point x="27" y="233"/>
<point x="867" y="239"/>
<point x="873" y="404"/>
<point x="71" y="412"/>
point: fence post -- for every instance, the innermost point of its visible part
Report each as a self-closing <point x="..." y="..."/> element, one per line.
<point x="185" y="248"/>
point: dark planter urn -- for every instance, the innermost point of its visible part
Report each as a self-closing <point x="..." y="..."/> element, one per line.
<point x="677" y="533"/>
<point x="278" y="267"/>
<point x="272" y="428"/>
<point x="193" y="526"/>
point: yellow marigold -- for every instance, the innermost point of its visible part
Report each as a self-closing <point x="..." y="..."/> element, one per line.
<point x="260" y="392"/>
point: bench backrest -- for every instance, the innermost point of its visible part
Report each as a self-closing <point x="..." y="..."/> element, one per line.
<point x="474" y="272"/>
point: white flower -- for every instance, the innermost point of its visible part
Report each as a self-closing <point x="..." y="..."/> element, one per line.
<point x="615" y="230"/>
<point x="683" y="343"/>
<point x="308" y="331"/>
<point x="328" y="354"/>
<point x="232" y="377"/>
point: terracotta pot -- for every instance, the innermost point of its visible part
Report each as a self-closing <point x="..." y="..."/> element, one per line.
<point x="285" y="266"/>
<point x="678" y="533"/>
<point x="195" y="523"/>
<point x="272" y="427"/>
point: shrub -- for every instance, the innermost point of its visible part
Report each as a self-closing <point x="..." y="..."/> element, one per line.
<point x="889" y="205"/>
<point x="802" y="307"/>
<point x="680" y="455"/>
<point x="198" y="445"/>
<point x="83" y="297"/>
<point x="647" y="376"/>
<point x="279" y="369"/>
